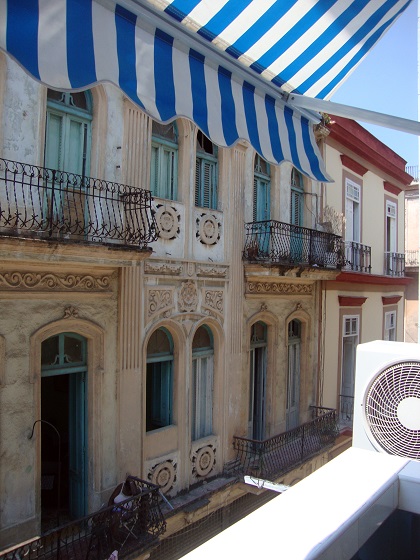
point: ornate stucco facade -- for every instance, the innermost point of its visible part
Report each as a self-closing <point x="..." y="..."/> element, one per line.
<point x="183" y="343"/>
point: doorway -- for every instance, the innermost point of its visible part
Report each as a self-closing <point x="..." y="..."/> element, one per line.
<point x="63" y="449"/>
<point x="293" y="377"/>
<point x="257" y="381"/>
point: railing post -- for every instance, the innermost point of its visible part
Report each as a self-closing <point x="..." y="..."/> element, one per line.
<point x="51" y="209"/>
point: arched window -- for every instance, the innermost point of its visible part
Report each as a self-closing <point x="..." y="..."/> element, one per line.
<point x="257" y="380"/>
<point x="296" y="198"/>
<point x="202" y="383"/>
<point x="261" y="199"/>
<point x="206" y="172"/>
<point x="68" y="131"/>
<point x="164" y="161"/>
<point x="159" y="380"/>
<point x="293" y="377"/>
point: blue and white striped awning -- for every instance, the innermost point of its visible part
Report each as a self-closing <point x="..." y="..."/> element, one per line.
<point x="174" y="70"/>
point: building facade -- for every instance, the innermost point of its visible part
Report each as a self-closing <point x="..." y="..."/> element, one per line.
<point x="189" y="301"/>
<point x="367" y="299"/>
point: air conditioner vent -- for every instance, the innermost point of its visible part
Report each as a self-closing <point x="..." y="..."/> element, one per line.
<point x="392" y="409"/>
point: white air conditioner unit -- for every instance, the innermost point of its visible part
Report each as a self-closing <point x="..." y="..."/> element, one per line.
<point x="387" y="398"/>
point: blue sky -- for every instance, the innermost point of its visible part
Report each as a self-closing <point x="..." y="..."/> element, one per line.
<point x="386" y="81"/>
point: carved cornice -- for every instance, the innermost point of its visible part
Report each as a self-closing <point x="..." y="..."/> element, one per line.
<point x="211" y="270"/>
<point x="278" y="288"/>
<point x="162" y="268"/>
<point x="49" y="281"/>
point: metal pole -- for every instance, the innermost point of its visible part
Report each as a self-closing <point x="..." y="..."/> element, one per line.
<point x="59" y="463"/>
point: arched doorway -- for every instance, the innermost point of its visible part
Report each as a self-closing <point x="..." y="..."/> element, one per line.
<point x="293" y="375"/>
<point x="202" y="384"/>
<point x="257" y="380"/>
<point x="64" y="406"/>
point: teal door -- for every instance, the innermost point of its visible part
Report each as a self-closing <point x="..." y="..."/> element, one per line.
<point x="293" y="376"/>
<point x="261" y="204"/>
<point x="296" y="217"/>
<point x="77" y="444"/>
<point x="257" y="381"/>
<point x="64" y="405"/>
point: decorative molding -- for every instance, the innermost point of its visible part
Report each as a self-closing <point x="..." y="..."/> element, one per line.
<point x="203" y="461"/>
<point x="164" y="475"/>
<point x="188" y="296"/>
<point x="390" y="300"/>
<point x="71" y="312"/>
<point x="159" y="301"/>
<point x="208" y="229"/>
<point x="351" y="301"/>
<point x="278" y="288"/>
<point x="47" y="281"/>
<point x="264" y="307"/>
<point x="211" y="270"/>
<point x="190" y="269"/>
<point x="167" y="219"/>
<point x="162" y="268"/>
<point x="353" y="165"/>
<point x="389" y="187"/>
<point x="214" y="300"/>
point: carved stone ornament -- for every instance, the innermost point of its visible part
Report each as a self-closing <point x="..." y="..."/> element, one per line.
<point x="188" y="296"/>
<point x="159" y="301"/>
<point x="162" y="268"/>
<point x="263" y="307"/>
<point x="164" y="475"/>
<point x="213" y="299"/>
<point x="278" y="288"/>
<point x="167" y="219"/>
<point x="53" y="281"/>
<point x="71" y="312"/>
<point x="208" y="229"/>
<point x="211" y="271"/>
<point x="203" y="461"/>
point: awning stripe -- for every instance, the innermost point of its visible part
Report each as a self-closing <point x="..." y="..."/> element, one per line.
<point x="159" y="73"/>
<point x="22" y="20"/>
<point x="80" y="43"/>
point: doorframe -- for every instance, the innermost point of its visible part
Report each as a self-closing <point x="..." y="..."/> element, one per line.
<point x="94" y="336"/>
<point x="307" y="391"/>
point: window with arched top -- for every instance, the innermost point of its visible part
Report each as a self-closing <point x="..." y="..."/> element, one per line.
<point x="262" y="183"/>
<point x="257" y="380"/>
<point x="202" y="383"/>
<point x="296" y="198"/>
<point x="164" y="160"/>
<point x="68" y="131"/>
<point x="294" y="333"/>
<point x="206" y="172"/>
<point x="159" y="380"/>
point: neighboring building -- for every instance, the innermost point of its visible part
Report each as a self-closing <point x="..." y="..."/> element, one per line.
<point x="412" y="257"/>
<point x="366" y="301"/>
<point x="213" y="353"/>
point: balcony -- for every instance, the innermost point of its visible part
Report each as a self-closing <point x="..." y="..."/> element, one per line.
<point x="127" y="527"/>
<point x="357" y="257"/>
<point x="394" y="264"/>
<point x="277" y="455"/>
<point x="412" y="258"/>
<point x="41" y="203"/>
<point x="278" y="243"/>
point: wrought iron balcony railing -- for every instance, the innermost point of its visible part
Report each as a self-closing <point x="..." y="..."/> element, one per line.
<point x="412" y="258"/>
<point x="277" y="455"/>
<point x="50" y="204"/>
<point x="127" y="527"/>
<point x="394" y="264"/>
<point x="357" y="257"/>
<point x="285" y="244"/>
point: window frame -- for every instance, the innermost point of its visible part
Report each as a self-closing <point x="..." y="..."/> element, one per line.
<point x="161" y="188"/>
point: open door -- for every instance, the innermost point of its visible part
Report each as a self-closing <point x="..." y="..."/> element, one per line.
<point x="63" y="450"/>
<point x="293" y="377"/>
<point x="257" y="385"/>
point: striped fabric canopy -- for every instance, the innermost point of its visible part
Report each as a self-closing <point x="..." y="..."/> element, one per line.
<point x="172" y="72"/>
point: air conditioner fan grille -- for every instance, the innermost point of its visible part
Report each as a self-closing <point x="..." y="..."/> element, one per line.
<point x="385" y="398"/>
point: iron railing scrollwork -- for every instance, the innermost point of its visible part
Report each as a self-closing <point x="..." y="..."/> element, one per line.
<point x="277" y="455"/>
<point x="346" y="409"/>
<point x="127" y="527"/>
<point x="412" y="257"/>
<point x="280" y="243"/>
<point x="50" y="204"/>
